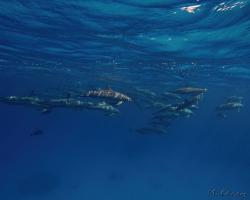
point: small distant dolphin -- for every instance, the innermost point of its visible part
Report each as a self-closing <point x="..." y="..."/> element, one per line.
<point x="171" y="95"/>
<point x="190" y="90"/>
<point x="230" y="106"/>
<point x="36" y="132"/>
<point x="236" y="99"/>
<point x="148" y="130"/>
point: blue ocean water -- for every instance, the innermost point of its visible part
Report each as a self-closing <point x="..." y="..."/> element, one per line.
<point x="141" y="48"/>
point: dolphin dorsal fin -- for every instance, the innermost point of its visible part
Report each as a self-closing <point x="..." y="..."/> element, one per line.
<point x="32" y="93"/>
<point x="108" y="87"/>
<point x="68" y="95"/>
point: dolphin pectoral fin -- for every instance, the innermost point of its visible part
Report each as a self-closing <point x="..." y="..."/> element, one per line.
<point x="222" y="115"/>
<point x="109" y="114"/>
<point x="119" y="103"/>
<point x="46" y="110"/>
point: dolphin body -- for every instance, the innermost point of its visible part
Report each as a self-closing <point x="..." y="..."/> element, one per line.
<point x="235" y="99"/>
<point x="108" y="94"/>
<point x="230" y="106"/>
<point x="189" y="91"/>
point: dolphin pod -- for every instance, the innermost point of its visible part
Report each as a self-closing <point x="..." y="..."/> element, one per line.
<point x="168" y="106"/>
<point x="187" y="102"/>
<point x="105" y="99"/>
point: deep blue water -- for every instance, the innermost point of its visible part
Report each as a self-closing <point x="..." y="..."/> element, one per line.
<point x="138" y="47"/>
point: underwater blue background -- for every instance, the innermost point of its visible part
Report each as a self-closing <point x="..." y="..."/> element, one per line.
<point x="57" y="46"/>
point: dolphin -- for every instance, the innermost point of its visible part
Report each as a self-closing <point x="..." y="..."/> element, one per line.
<point x="149" y="130"/>
<point x="236" y="99"/>
<point x="190" y="91"/>
<point x="108" y="94"/>
<point x="230" y="106"/>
